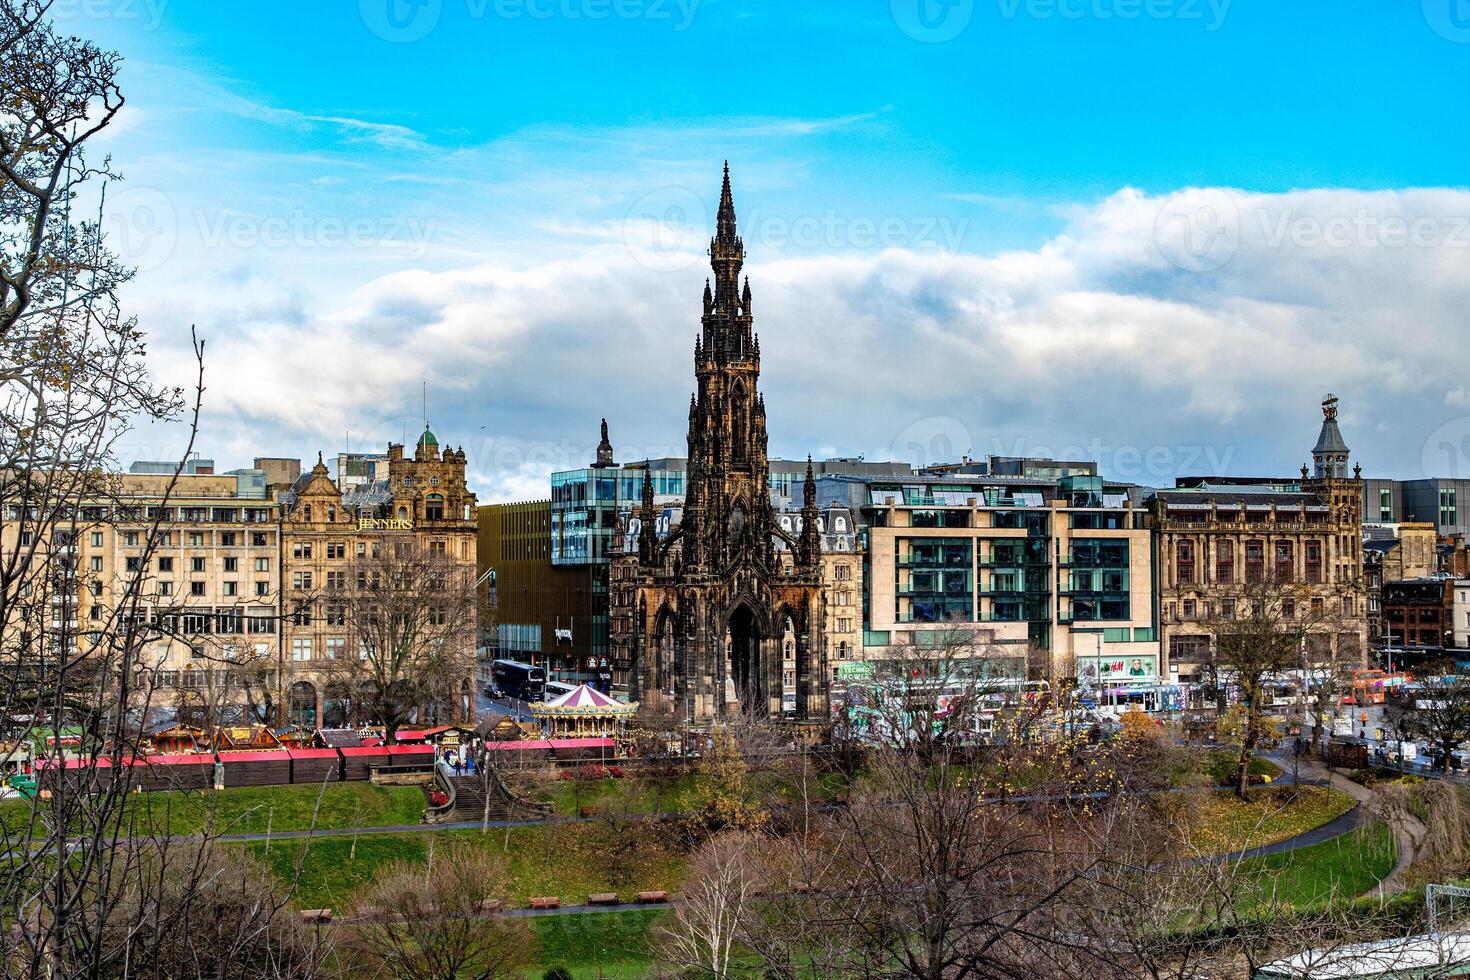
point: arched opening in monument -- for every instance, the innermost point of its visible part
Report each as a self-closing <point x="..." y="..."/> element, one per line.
<point x="743" y="662"/>
<point x="789" y="666"/>
<point x="664" y="670"/>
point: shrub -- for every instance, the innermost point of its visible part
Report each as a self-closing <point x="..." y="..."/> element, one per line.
<point x="557" y="973"/>
<point x="592" y="770"/>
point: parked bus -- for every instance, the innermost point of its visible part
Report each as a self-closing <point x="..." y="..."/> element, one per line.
<point x="556" y="689"/>
<point x="513" y="679"/>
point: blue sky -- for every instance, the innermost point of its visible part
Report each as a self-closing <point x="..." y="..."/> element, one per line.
<point x="960" y="199"/>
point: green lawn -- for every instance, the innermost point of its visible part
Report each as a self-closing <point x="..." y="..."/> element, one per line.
<point x="1334" y="870"/>
<point x="613" y="944"/>
<point x="238" y="811"/>
<point x="1224" y="824"/>
<point x="569" y="861"/>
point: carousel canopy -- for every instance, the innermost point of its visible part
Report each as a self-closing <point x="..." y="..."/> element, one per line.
<point x="584" y="700"/>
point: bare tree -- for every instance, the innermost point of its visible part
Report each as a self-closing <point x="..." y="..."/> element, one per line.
<point x="1270" y="628"/>
<point x="410" y="614"/>
<point x="1438" y="711"/>
<point x="704" y="930"/>
<point x="438" y="921"/>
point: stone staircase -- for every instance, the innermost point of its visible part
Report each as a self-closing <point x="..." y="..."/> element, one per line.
<point x="467" y="799"/>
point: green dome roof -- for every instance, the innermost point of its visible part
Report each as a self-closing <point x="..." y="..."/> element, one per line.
<point x="427" y="439"/>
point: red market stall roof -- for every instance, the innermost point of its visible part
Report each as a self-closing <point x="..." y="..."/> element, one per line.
<point x="529" y="745"/>
<point x="268" y="756"/>
<point x="311" y="753"/>
<point x="192" y="759"/>
<point x="550" y="744"/>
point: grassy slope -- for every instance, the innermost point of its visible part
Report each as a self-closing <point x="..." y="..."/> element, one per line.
<point x="1336" y="869"/>
<point x="251" y="810"/>
<point x="570" y="862"/>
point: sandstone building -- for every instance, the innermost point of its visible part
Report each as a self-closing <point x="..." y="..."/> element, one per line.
<point x="1219" y="540"/>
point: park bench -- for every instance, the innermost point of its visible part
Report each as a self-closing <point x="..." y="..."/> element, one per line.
<point x="489" y="906"/>
<point x="653" y="897"/>
<point x="316" y="917"/>
<point x="603" y="898"/>
<point x="545" y="902"/>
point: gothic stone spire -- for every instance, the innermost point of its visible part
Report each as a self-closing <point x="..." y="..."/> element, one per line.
<point x="810" y="552"/>
<point x="647" y="533"/>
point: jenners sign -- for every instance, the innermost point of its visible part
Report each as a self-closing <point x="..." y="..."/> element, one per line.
<point x="384" y="524"/>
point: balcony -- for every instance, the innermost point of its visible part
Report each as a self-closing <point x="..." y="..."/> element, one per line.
<point x="1027" y="561"/>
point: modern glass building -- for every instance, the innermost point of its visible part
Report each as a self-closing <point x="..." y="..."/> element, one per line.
<point x="1050" y="577"/>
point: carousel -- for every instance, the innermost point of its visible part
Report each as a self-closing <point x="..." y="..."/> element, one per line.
<point x="583" y="712"/>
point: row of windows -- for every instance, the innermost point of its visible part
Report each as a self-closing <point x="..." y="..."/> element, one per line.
<point x="1282" y="567"/>
<point x="198" y="588"/>
<point x="1229" y="608"/>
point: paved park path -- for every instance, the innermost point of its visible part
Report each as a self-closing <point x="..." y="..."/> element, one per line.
<point x="1408" y="830"/>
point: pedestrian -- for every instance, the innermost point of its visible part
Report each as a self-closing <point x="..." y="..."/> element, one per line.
<point x="469" y="761"/>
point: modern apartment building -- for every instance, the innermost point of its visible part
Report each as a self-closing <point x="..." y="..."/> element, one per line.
<point x="1436" y="501"/>
<point x="1046" y="579"/>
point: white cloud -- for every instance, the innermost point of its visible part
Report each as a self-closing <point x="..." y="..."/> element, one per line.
<point x="1095" y="342"/>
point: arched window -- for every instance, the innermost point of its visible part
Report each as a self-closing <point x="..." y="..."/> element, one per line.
<point x="434" y="507"/>
<point x="403" y="513"/>
<point x="840" y="524"/>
